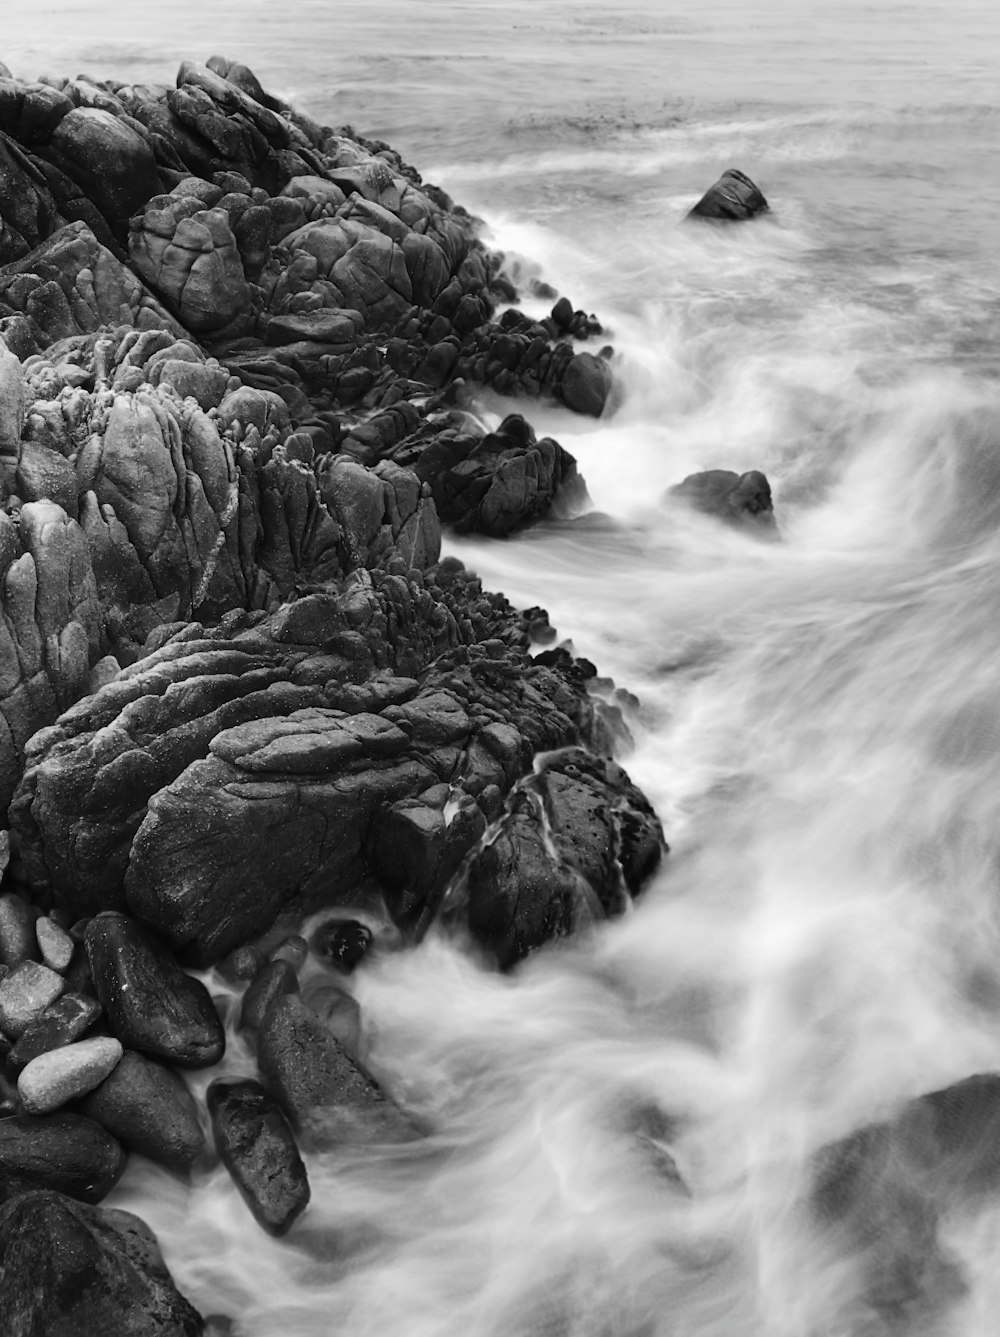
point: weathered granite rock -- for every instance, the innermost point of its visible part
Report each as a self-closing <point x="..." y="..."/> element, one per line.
<point x="60" y="1075"/>
<point x="739" y="499"/>
<point x="257" y="1147"/>
<point x="150" y="1110"/>
<point x="151" y="1004"/>
<point x="733" y="198"/>
<point x="325" y="1093"/>
<point x="109" y="160"/>
<point x="74" y="1271"/>
<point x="65" y="1152"/>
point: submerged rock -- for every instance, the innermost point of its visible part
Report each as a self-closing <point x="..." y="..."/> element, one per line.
<point x="73" y="1271"/>
<point x="739" y="499"/>
<point x="258" y="1149"/>
<point x="733" y="198"/>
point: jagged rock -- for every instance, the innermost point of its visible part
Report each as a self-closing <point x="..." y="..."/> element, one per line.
<point x="740" y="499"/>
<point x="65" y="1152"/>
<point x="62" y="1022"/>
<point x="151" y="1004"/>
<point x="577" y="843"/>
<point x="71" y="1271"/>
<point x="732" y="198"/>
<point x="189" y="256"/>
<point x="257" y="1147"/>
<point x="500" y="482"/>
<point x="150" y="1110"/>
<point x="61" y="1075"/>
<point x="25" y="993"/>
<point x="325" y="1093"/>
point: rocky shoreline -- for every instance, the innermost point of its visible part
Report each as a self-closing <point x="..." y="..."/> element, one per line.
<point x="238" y="685"/>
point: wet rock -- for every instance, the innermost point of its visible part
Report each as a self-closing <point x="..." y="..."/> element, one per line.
<point x="66" y="1020"/>
<point x="70" y="1270"/>
<point x="17" y="930"/>
<point x="339" y="1012"/>
<point x="151" y="1111"/>
<point x="54" y="944"/>
<point x="326" y="1094"/>
<point x="65" y="1152"/>
<point x="109" y="160"/>
<point x="294" y="950"/>
<point x="343" y="943"/>
<point x="61" y="1075"/>
<point x="257" y="1147"/>
<point x="274" y="980"/>
<point x="25" y="993"/>
<point x="152" y="1004"/>
<point x="739" y="499"/>
<point x="732" y="198"/>
<point x="586" y="384"/>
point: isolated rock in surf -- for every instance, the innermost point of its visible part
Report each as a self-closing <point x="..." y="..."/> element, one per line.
<point x="733" y="198"/>
<point x="739" y="499"/>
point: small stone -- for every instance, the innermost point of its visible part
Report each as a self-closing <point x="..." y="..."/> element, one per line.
<point x="61" y="1075"/>
<point x="25" y="994"/>
<point x="342" y="942"/>
<point x="150" y="1110"/>
<point x="54" y="943"/>
<point x="69" y="1017"/>
<point x="294" y="950"/>
<point x="17" y="930"/>
<point x="242" y="964"/>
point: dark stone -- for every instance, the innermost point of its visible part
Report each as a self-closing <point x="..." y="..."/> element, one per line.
<point x="294" y="950"/>
<point x="586" y="384"/>
<point x="74" y="1271"/>
<point x="273" y="981"/>
<point x="151" y="1003"/>
<point x="258" y="1149"/>
<point x="326" y="1094"/>
<point x="60" y="1151"/>
<point x="18" y="941"/>
<point x="739" y="499"/>
<point x="150" y="1110"/>
<point x="66" y="1020"/>
<point x="111" y="162"/>
<point x="732" y="198"/>
<point x="343" y="943"/>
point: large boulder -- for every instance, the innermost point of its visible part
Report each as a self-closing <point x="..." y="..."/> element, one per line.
<point x="67" y="1270"/>
<point x="109" y="160"/>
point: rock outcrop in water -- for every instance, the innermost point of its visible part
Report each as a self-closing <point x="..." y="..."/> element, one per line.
<point x="732" y="199"/>
<point x="743" y="500"/>
<point x="237" y="681"/>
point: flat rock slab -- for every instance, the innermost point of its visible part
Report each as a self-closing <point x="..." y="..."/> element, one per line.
<point x="257" y="1147"/>
<point x="61" y="1075"/>
<point x="66" y="1152"/>
<point x="25" y="994"/>
<point x="150" y="1110"/>
<point x="151" y="1003"/>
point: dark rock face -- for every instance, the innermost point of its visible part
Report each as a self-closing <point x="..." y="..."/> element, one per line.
<point x="150" y="1110"/>
<point x="733" y="198"/>
<point x="739" y="499"/>
<point x="151" y="1004"/>
<point x="258" y="1149"/>
<point x="325" y="1093"/>
<point x="74" y="1271"/>
<point x="61" y="1151"/>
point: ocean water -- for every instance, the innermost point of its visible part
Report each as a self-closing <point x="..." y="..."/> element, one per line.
<point x="625" y="1126"/>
